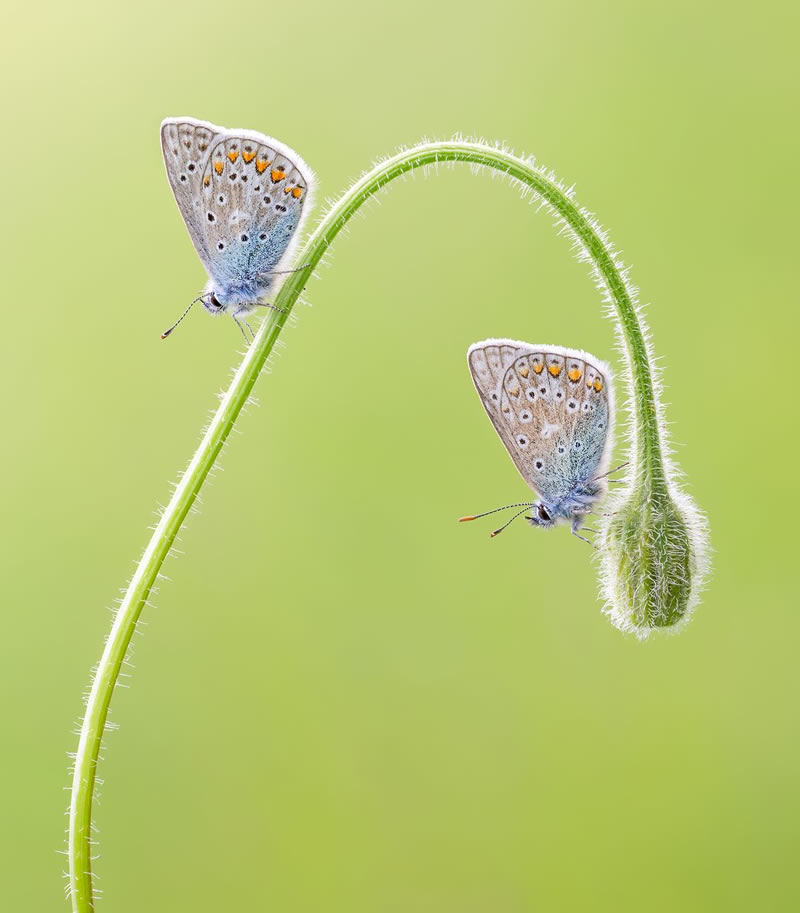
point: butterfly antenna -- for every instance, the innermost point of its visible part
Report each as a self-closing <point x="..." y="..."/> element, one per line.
<point x="167" y="332"/>
<point x="509" y="522"/>
<point x="487" y="512"/>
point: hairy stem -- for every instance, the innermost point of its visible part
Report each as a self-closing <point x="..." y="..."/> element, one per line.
<point x="648" y="445"/>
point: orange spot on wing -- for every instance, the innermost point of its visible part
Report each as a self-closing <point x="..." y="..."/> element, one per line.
<point x="278" y="175"/>
<point x="233" y="155"/>
<point x="538" y="368"/>
<point x="574" y="375"/>
<point x="598" y="384"/>
<point x="262" y="165"/>
<point x="218" y="166"/>
<point x="297" y="192"/>
<point x="248" y="157"/>
<point x="554" y="370"/>
<point x="206" y="180"/>
<point x="523" y="371"/>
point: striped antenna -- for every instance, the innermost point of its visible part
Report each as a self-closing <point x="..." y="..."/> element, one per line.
<point x="487" y="512"/>
<point x="509" y="522"/>
<point x="167" y="332"/>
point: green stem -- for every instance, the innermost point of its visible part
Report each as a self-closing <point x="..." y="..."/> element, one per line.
<point x="648" y="446"/>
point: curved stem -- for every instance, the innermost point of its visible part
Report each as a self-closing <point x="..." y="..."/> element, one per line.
<point x="596" y="248"/>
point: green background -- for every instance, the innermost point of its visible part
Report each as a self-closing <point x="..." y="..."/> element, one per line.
<point x="344" y="701"/>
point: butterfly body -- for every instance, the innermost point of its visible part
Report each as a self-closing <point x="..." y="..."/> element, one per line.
<point x="236" y="296"/>
<point x="572" y="508"/>
<point x="243" y="196"/>
<point x="553" y="410"/>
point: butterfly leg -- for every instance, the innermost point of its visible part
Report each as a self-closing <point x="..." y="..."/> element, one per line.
<point x="583" y="538"/>
<point x="241" y="330"/>
<point x="264" y="304"/>
<point x="611" y="472"/>
<point x="576" y="525"/>
<point x="285" y="272"/>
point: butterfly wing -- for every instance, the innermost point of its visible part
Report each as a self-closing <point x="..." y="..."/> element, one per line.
<point x="186" y="146"/>
<point x="488" y="362"/>
<point x="551" y="407"/>
<point x="242" y="195"/>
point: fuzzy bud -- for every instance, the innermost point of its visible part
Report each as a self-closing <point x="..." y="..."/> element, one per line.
<point x="653" y="559"/>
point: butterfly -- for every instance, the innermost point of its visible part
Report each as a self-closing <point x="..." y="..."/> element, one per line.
<point x="243" y="196"/>
<point x="553" y="409"/>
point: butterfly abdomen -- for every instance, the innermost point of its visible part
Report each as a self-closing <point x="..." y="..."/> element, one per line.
<point x="578" y="500"/>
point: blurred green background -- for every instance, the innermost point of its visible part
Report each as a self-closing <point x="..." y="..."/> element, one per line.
<point x="344" y="701"/>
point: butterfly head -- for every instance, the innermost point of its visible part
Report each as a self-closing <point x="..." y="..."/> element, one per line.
<point x="212" y="303"/>
<point x="541" y="516"/>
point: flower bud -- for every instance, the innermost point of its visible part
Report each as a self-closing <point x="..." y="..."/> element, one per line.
<point x="653" y="551"/>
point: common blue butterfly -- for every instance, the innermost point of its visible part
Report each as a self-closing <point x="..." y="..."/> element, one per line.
<point x="553" y="409"/>
<point x="243" y="197"/>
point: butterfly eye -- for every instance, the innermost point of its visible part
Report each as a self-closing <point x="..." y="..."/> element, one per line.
<point x="543" y="514"/>
<point x="215" y="301"/>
